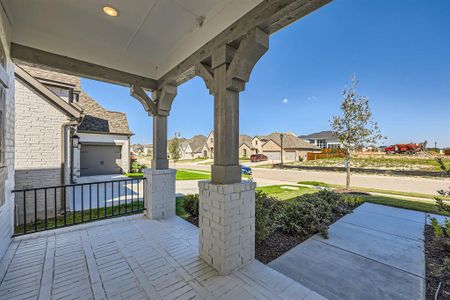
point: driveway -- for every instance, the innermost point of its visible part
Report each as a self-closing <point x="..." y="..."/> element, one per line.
<point x="377" y="252"/>
<point x="104" y="190"/>
<point x="394" y="183"/>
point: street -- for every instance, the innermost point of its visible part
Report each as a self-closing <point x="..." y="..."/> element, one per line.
<point x="394" y="183"/>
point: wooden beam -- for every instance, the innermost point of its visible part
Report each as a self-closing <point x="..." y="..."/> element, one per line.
<point x="48" y="95"/>
<point x="79" y="68"/>
<point x="270" y="16"/>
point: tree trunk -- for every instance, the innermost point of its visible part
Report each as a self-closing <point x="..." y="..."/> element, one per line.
<point x="347" y="162"/>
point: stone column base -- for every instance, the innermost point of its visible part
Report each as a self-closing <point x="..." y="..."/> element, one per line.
<point x="159" y="193"/>
<point x="227" y="224"/>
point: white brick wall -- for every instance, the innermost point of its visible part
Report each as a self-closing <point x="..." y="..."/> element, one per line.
<point x="38" y="151"/>
<point x="160" y="193"/>
<point x="6" y="210"/>
<point x="38" y="132"/>
<point x="227" y="224"/>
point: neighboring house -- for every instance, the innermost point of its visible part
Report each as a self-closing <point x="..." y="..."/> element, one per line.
<point x="294" y="148"/>
<point x="323" y="139"/>
<point x="209" y="145"/>
<point x="62" y="133"/>
<point x="193" y="147"/>
<point x="245" y="146"/>
<point x="137" y="149"/>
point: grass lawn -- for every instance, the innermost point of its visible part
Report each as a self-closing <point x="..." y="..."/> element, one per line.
<point x="184" y="174"/>
<point x="289" y="192"/>
<point x="428" y="207"/>
<point x="286" y="192"/>
<point x="86" y="216"/>
<point x="371" y="190"/>
<point x="192" y="175"/>
<point x="134" y="175"/>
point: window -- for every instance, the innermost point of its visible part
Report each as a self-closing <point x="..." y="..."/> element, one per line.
<point x="321" y="143"/>
<point x="62" y="92"/>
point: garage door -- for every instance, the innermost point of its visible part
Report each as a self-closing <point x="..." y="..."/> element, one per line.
<point x="100" y="160"/>
<point x="289" y="156"/>
<point x="272" y="155"/>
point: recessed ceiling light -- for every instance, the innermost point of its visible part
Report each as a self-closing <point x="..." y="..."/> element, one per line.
<point x="110" y="11"/>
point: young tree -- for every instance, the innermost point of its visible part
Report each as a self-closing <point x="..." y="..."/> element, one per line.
<point x="355" y="128"/>
<point x="174" y="148"/>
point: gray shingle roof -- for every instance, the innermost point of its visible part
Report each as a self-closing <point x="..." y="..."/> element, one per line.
<point x="47" y="73"/>
<point x="322" y="135"/>
<point x="196" y="142"/>
<point x="98" y="119"/>
<point x="245" y="139"/>
<point x="289" y="141"/>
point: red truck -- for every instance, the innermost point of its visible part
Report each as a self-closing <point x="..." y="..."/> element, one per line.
<point x="410" y="148"/>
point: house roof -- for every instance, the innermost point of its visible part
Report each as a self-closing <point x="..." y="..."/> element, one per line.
<point x="289" y="141"/>
<point x="196" y="142"/>
<point x="99" y="120"/>
<point x="322" y="135"/>
<point x="245" y="139"/>
<point x="48" y="75"/>
<point x="69" y="109"/>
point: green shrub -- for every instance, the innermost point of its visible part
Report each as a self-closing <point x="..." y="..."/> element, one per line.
<point x="266" y="215"/>
<point x="191" y="205"/>
<point x="438" y="232"/>
<point x="312" y="213"/>
<point x="353" y="201"/>
<point x="447" y="227"/>
<point x="136" y="167"/>
<point x="307" y="214"/>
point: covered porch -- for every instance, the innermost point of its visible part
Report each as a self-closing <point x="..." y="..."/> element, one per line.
<point x="151" y="47"/>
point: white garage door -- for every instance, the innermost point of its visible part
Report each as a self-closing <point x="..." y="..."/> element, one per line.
<point x="289" y="156"/>
<point x="272" y="155"/>
<point x="100" y="160"/>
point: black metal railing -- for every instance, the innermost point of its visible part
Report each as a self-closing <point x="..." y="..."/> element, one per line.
<point x="44" y="208"/>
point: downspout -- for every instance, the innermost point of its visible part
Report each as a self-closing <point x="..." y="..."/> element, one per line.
<point x="65" y="144"/>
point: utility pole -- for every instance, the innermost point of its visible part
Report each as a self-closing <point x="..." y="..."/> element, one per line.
<point x="435" y="146"/>
<point x="281" y="142"/>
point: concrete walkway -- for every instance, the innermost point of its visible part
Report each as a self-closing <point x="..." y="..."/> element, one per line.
<point x="377" y="252"/>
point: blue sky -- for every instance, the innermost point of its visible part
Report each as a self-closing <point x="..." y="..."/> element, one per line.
<point x="399" y="50"/>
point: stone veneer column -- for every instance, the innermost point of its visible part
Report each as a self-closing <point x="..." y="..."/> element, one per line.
<point x="159" y="193"/>
<point x="227" y="204"/>
<point x="227" y="224"/>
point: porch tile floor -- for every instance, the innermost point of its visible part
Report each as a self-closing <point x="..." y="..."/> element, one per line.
<point x="130" y="258"/>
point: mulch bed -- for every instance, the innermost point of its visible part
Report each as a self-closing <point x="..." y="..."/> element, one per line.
<point x="435" y="251"/>
<point x="192" y="220"/>
<point x="276" y="245"/>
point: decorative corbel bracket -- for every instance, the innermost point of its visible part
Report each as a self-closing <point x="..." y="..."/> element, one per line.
<point x="164" y="97"/>
<point x="139" y="93"/>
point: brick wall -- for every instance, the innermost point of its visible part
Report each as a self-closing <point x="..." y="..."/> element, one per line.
<point x="38" y="132"/>
<point x="6" y="210"/>
<point x="38" y="151"/>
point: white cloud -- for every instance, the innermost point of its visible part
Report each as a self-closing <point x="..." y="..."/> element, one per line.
<point x="312" y="98"/>
<point x="285" y="100"/>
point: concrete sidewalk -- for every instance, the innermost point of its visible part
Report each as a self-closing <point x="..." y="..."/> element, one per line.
<point x="377" y="252"/>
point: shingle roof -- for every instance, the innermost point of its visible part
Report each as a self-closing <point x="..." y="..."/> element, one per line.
<point x="46" y="73"/>
<point x="245" y="139"/>
<point x="322" y="135"/>
<point x="98" y="119"/>
<point x="289" y="141"/>
<point x="196" y="142"/>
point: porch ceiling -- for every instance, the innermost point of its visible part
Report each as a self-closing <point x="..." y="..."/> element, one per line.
<point x="147" y="38"/>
